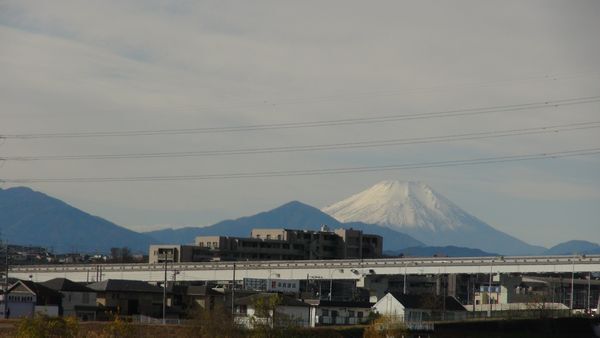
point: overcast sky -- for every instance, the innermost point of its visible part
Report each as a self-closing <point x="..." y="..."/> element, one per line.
<point x="81" y="66"/>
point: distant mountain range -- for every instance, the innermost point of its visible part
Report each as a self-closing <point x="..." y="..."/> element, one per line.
<point x="292" y="215"/>
<point x="448" y="251"/>
<point x="29" y="217"/>
<point x="413" y="220"/>
<point x="573" y="248"/>
<point x="417" y="210"/>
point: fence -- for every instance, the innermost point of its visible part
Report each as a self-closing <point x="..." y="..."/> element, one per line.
<point x="141" y="319"/>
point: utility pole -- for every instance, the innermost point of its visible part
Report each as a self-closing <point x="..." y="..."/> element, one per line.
<point x="233" y="292"/>
<point x="589" y="299"/>
<point x="489" y="292"/>
<point x="404" y="283"/>
<point x="6" y="282"/>
<point x="164" y="305"/>
<point x="572" y="288"/>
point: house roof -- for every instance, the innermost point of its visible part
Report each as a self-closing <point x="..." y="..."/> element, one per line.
<point x="429" y="302"/>
<point x="41" y="290"/>
<point x="285" y="300"/>
<point x="201" y="290"/>
<point x="63" y="284"/>
<point x="123" y="285"/>
<point x="363" y="305"/>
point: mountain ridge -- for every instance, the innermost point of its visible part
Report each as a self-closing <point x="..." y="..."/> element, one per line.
<point x="29" y="217"/>
<point x="291" y="215"/>
<point x="574" y="247"/>
<point x="416" y="209"/>
<point x="449" y="251"/>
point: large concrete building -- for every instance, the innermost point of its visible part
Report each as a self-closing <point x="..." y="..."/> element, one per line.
<point x="275" y="244"/>
<point x="177" y="253"/>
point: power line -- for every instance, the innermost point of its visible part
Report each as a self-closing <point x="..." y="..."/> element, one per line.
<point x="319" y="147"/>
<point x="391" y="92"/>
<point x="312" y="124"/>
<point x="312" y="172"/>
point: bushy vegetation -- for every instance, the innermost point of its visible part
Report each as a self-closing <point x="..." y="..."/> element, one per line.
<point x="384" y="327"/>
<point x="42" y="326"/>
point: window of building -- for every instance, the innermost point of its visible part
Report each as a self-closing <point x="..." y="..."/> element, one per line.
<point x="359" y="314"/>
<point x="215" y="245"/>
<point x="325" y="312"/>
<point x="350" y="313"/>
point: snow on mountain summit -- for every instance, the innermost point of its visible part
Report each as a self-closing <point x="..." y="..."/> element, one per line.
<point x="399" y="205"/>
<point x="415" y="209"/>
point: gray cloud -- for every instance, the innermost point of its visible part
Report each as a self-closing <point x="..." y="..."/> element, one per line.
<point x="129" y="65"/>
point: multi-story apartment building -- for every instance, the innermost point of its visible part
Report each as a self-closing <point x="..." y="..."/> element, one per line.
<point x="276" y="244"/>
<point x="177" y="253"/>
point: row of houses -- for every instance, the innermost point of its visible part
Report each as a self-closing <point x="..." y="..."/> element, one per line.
<point x="97" y="301"/>
<point x="413" y="310"/>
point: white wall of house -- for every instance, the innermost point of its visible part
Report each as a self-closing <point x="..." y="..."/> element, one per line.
<point x="388" y="305"/>
<point x="48" y="310"/>
<point x="341" y="315"/>
<point x="20" y="304"/>
<point x="72" y="299"/>
<point x="18" y="309"/>
<point x="299" y="314"/>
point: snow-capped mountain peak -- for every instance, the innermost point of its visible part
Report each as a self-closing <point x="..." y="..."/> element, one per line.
<point x="399" y="205"/>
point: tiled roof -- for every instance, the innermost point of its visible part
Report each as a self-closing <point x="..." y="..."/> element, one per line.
<point x="285" y="300"/>
<point x="63" y="284"/>
<point x="117" y="285"/>
<point x="428" y="302"/>
<point x="350" y="304"/>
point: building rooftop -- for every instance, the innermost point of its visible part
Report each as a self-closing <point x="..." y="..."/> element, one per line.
<point x="120" y="285"/>
<point x="64" y="284"/>
<point x="429" y="302"/>
<point x="285" y="300"/>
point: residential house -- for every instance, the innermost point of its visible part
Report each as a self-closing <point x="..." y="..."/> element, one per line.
<point x="420" y="308"/>
<point x="342" y="313"/>
<point x="204" y="296"/>
<point x="77" y="299"/>
<point x="129" y="297"/>
<point x="27" y="298"/>
<point x="272" y="309"/>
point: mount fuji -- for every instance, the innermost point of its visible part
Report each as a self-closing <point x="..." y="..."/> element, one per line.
<point x="417" y="210"/>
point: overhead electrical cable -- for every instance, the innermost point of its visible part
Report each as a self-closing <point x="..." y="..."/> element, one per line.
<point x="319" y="147"/>
<point x="311" y="172"/>
<point x="312" y="124"/>
<point x="393" y="92"/>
